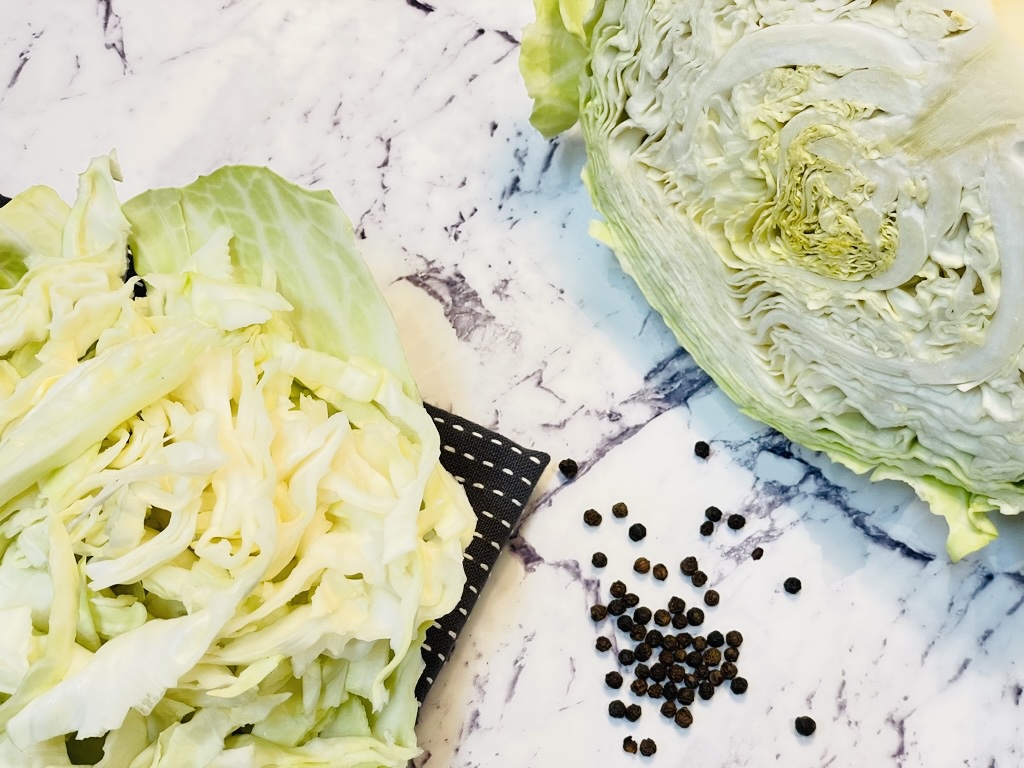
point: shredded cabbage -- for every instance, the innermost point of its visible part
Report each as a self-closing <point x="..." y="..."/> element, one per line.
<point x="823" y="199"/>
<point x="223" y="525"/>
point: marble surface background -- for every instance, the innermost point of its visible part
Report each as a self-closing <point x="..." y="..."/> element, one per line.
<point x="413" y="114"/>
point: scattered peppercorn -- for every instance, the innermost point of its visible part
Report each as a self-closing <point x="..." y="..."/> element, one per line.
<point x="715" y="677"/>
<point x="684" y="639"/>
<point x="731" y="654"/>
<point x="639" y="687"/>
<point x="792" y="585"/>
<point x="619" y="509"/>
<point x="679" y="621"/>
<point x="713" y="513"/>
<point x="642" y="615"/>
<point x="702" y="672"/>
<point x="805" y="726"/>
<point x="641" y="565"/>
<point x="617" y="709"/>
<point x="613" y="680"/>
<point x="736" y="521"/>
<point x="648" y="747"/>
<point x="624" y="623"/>
<point x="699" y="579"/>
<point x="686" y="696"/>
<point x="695" y="616"/>
<point x="676" y="604"/>
<point x="599" y="612"/>
<point x="711" y="598"/>
<point x="676" y="673"/>
<point x="592" y="517"/>
<point x="633" y="712"/>
<point x="660" y="572"/>
<point x="626" y="657"/>
<point x="658" y="672"/>
<point x="733" y="639"/>
<point x="667" y="657"/>
<point x="599" y="560"/>
<point x="683" y="718"/>
<point x="603" y="644"/>
<point x="738" y="685"/>
<point x="707" y="528"/>
<point x="689" y="566"/>
<point x="642" y="671"/>
<point x="693" y="659"/>
<point x="629" y="745"/>
<point x="757" y="553"/>
<point x="638" y="632"/>
<point x="616" y="606"/>
<point x="699" y="643"/>
<point x="680" y="655"/>
<point x="642" y="652"/>
<point x="729" y="670"/>
<point x="637" y="532"/>
<point x="655" y="691"/>
<point x="632" y="599"/>
<point x="701" y="449"/>
<point x="669" y="690"/>
<point x="669" y="642"/>
<point x="706" y="690"/>
<point x="654" y="638"/>
<point x="715" y="639"/>
<point x="662" y="617"/>
<point x="668" y="709"/>
<point x="712" y="657"/>
<point x="691" y="681"/>
<point x="618" y="589"/>
<point x="569" y="468"/>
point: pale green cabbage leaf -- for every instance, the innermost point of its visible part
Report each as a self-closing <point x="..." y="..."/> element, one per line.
<point x="223" y="525"/>
<point x="824" y="199"/>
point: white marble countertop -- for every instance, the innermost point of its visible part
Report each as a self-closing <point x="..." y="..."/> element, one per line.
<point x="475" y="226"/>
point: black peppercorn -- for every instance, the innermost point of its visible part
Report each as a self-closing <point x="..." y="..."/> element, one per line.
<point x="662" y="617"/>
<point x="667" y="657"/>
<point x="701" y="449"/>
<point x="599" y="560"/>
<point x="669" y="690"/>
<point x="738" y="685"/>
<point x="715" y="677"/>
<point x="691" y="681"/>
<point x="613" y="680"/>
<point x="699" y="643"/>
<point x="637" y="532"/>
<point x="603" y="644"/>
<point x="705" y="690"/>
<point x="668" y="709"/>
<point x="625" y="623"/>
<point x="684" y="639"/>
<point x="641" y="565"/>
<point x="658" y="672"/>
<point x="626" y="657"/>
<point x="713" y="514"/>
<point x="569" y="468"/>
<point x="707" y="528"/>
<point x="736" y="521"/>
<point x="619" y="509"/>
<point x="711" y="598"/>
<point x="633" y="712"/>
<point x="592" y="517"/>
<point x="699" y="579"/>
<point x="642" y="671"/>
<point x="642" y="652"/>
<point x="716" y="639"/>
<point x="654" y="638"/>
<point x="686" y="696"/>
<point x="655" y="690"/>
<point x="694" y="659"/>
<point x="729" y="670"/>
<point x="731" y="654"/>
<point x="598" y="612"/>
<point x="712" y="657"/>
<point x="669" y="642"/>
<point x="618" y="589"/>
<point x="689" y="566"/>
<point x="702" y="672"/>
<point x="642" y="615"/>
<point x="683" y="718"/>
<point x="676" y="673"/>
<point x="757" y="553"/>
<point x="629" y="745"/>
<point x="695" y="616"/>
<point x="660" y="572"/>
<point x="632" y="599"/>
<point x="638" y="687"/>
<point x="792" y="585"/>
<point x="733" y="639"/>
<point x="616" y="606"/>
<point x="648" y="747"/>
<point x="676" y="605"/>
<point x="805" y="726"/>
<point x="637" y="633"/>
<point x="679" y="621"/>
<point x="617" y="709"/>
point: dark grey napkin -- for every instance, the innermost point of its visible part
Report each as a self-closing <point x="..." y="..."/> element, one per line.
<point x="499" y="476"/>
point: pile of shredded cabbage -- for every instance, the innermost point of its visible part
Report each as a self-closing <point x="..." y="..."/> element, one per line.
<point x="223" y="526"/>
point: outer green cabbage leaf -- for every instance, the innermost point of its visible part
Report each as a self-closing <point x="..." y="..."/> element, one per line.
<point x="823" y="200"/>
<point x="223" y="524"/>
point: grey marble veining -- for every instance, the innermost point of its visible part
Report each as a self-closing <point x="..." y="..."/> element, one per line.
<point x="413" y="114"/>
